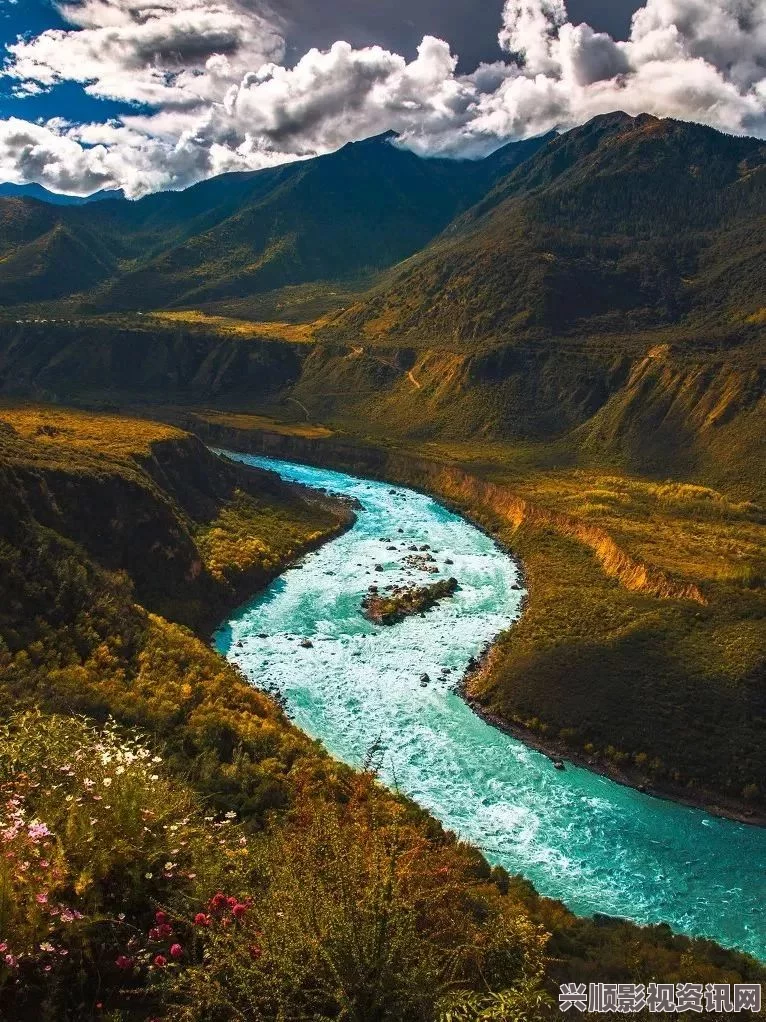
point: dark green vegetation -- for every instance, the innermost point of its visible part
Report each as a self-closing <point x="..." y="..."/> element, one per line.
<point x="334" y="218"/>
<point x="126" y="838"/>
<point x="404" y="601"/>
<point x="624" y="225"/>
<point x="109" y="359"/>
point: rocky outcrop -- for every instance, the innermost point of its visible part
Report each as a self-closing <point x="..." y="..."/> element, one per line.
<point x="400" y="602"/>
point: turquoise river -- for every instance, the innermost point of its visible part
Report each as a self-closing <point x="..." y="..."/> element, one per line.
<point x="593" y="843"/>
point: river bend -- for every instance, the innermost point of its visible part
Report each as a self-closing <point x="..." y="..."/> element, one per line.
<point x="578" y="836"/>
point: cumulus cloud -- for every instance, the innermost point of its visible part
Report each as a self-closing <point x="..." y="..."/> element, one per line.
<point x="175" y="53"/>
<point x="212" y="93"/>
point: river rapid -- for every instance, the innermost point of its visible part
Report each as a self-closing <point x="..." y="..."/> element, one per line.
<point x="580" y="837"/>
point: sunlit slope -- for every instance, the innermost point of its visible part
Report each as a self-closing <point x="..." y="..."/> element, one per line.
<point x="621" y="225"/>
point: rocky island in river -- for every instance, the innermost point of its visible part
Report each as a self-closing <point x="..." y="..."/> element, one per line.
<point x="404" y="601"/>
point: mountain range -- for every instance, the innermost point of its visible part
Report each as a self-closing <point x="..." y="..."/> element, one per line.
<point x="619" y="226"/>
<point x="337" y="217"/>
<point x="8" y="189"/>
<point x="615" y="227"/>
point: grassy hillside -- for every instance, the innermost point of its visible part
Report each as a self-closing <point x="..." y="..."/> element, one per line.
<point x="685" y="411"/>
<point x="114" y="358"/>
<point x="158" y="849"/>
<point x="61" y="262"/>
<point x="159" y="507"/>
<point x="621" y="225"/>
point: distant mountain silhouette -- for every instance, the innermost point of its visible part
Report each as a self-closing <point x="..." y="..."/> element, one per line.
<point x="35" y="191"/>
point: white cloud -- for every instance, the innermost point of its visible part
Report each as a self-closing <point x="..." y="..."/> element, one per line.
<point x="529" y="30"/>
<point x="35" y="152"/>
<point x="214" y="94"/>
<point x="141" y="51"/>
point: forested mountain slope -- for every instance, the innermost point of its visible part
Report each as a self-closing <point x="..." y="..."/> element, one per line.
<point x="624" y="224"/>
<point x="345" y="215"/>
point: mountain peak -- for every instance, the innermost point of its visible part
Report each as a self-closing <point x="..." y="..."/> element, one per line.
<point x="620" y="119"/>
<point x="385" y="138"/>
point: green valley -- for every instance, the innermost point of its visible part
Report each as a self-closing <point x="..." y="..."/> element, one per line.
<point x="565" y="343"/>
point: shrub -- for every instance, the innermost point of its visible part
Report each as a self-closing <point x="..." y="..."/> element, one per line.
<point x="93" y="837"/>
<point x="351" y="913"/>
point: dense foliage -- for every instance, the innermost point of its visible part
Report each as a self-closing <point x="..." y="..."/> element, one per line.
<point x="239" y="235"/>
<point x="119" y="891"/>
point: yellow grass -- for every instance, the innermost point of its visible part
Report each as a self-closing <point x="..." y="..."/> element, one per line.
<point x="64" y="428"/>
<point x="297" y="332"/>
<point x="237" y="420"/>
<point x="690" y="532"/>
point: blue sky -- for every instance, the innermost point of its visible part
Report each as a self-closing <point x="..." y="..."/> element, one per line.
<point x="29" y="18"/>
<point x="142" y="95"/>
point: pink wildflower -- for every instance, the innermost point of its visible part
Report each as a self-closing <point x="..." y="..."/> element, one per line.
<point x="176" y="951"/>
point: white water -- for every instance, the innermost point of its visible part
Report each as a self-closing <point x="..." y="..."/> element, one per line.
<point x="596" y="845"/>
